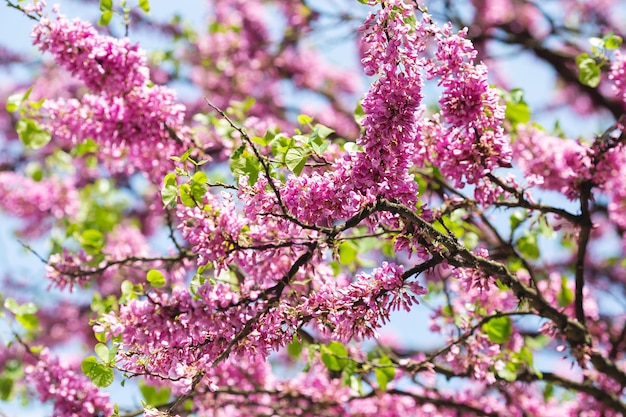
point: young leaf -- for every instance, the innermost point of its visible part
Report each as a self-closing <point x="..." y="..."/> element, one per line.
<point x="154" y="396"/>
<point x="386" y="374"/>
<point x="16" y="308"/>
<point x="186" y="195"/>
<point x="105" y="18"/>
<point x="321" y="131"/>
<point x="516" y="218"/>
<point x="295" y="159"/>
<point x="295" y="348"/>
<point x="334" y="356"/>
<point x="102" y="351"/>
<point x="348" y="372"/>
<point x="517" y="113"/>
<point x="303" y="119"/>
<point x="101" y="375"/>
<point x="144" y="5"/>
<point x="92" y="241"/>
<point x="15" y="101"/>
<point x="28" y="321"/>
<point x="169" y="193"/>
<point x="319" y="145"/>
<point x="348" y="252"/>
<point x="32" y="134"/>
<point x="498" y="329"/>
<point x="106" y="5"/>
<point x="612" y="41"/>
<point x="6" y="388"/>
<point x="588" y="72"/>
<point x="566" y="295"/>
<point x="155" y="278"/>
<point x="199" y="186"/>
<point x="527" y="245"/>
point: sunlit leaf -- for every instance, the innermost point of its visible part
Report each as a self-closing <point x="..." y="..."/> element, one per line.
<point x="32" y="134"/>
<point x="100" y="374"/>
<point x="498" y="329"/>
<point x="155" y="278"/>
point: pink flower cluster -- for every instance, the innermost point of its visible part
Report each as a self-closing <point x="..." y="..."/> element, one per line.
<point x="391" y="48"/>
<point x="213" y="230"/>
<point x="72" y="394"/>
<point x="177" y="337"/>
<point x="67" y="269"/>
<point x="468" y="141"/>
<point x="356" y="310"/>
<point x="103" y="63"/>
<point x="552" y="163"/>
<point x="137" y="125"/>
<point x="39" y="203"/>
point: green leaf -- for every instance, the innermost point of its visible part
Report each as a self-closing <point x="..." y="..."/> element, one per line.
<point x="24" y="313"/>
<point x="320" y="145"/>
<point x="28" y="321"/>
<point x="517" y="113"/>
<point x="106" y="5"/>
<point x="499" y="329"/>
<point x="566" y="295"/>
<point x="6" y="388"/>
<point x="169" y="192"/>
<point x="295" y="348"/>
<point x="548" y="391"/>
<point x="16" y="308"/>
<point x="538" y="342"/>
<point x="16" y="101"/>
<point x="338" y="349"/>
<point x="588" y="71"/>
<point x="86" y="147"/>
<point x="303" y="119"/>
<point x="516" y="218"/>
<point x="100" y="374"/>
<point x="199" y="186"/>
<point x="128" y="291"/>
<point x="32" y="134"/>
<point x="105" y="18"/>
<point x="186" y="195"/>
<point x="154" y="396"/>
<point x="384" y="375"/>
<point x="348" y="372"/>
<point x="321" y="131"/>
<point x="612" y="41"/>
<point x="334" y="356"/>
<point x="295" y="159"/>
<point x="156" y="278"/>
<point x="527" y="244"/>
<point x="244" y="163"/>
<point x="144" y="5"/>
<point x="102" y="351"/>
<point x="348" y="252"/>
<point x="92" y="241"/>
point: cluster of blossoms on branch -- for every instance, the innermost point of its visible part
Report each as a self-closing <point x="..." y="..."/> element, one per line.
<point x="72" y="393"/>
<point x="133" y="122"/>
<point x="319" y="234"/>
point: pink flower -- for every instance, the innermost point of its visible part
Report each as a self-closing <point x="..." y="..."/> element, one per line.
<point x="71" y="393"/>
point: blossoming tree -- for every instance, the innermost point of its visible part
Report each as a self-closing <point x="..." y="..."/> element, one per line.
<point x="236" y="251"/>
